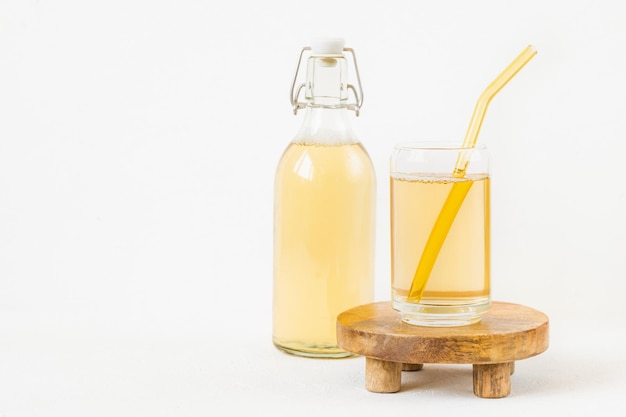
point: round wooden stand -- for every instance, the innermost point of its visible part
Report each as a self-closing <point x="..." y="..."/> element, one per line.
<point x="507" y="333"/>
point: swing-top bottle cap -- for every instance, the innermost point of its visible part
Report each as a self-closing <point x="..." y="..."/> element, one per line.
<point x="328" y="53"/>
<point x="327" y="46"/>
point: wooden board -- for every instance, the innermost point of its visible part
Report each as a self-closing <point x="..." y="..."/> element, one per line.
<point x="507" y="333"/>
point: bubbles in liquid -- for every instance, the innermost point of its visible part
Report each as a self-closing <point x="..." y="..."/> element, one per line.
<point x="436" y="178"/>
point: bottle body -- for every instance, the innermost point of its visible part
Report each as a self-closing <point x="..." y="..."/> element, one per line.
<point x="324" y="215"/>
<point x="324" y="238"/>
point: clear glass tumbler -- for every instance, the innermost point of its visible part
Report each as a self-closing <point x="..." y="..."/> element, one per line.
<point x="440" y="236"/>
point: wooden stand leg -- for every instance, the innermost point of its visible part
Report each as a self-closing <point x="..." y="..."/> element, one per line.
<point x="382" y="376"/>
<point x="412" y="367"/>
<point x="492" y="380"/>
<point x="512" y="367"/>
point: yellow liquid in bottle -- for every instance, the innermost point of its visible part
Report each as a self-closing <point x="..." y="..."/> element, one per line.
<point x="323" y="244"/>
<point x="460" y="276"/>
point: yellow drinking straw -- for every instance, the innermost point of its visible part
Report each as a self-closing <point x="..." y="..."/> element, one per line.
<point x="461" y="188"/>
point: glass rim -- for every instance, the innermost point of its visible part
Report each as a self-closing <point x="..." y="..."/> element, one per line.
<point x="435" y="145"/>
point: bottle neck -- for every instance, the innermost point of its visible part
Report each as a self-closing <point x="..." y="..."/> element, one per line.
<point x="327" y="81"/>
<point x="327" y="119"/>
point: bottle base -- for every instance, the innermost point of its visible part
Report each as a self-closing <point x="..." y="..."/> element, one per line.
<point x="313" y="351"/>
<point x="442" y="314"/>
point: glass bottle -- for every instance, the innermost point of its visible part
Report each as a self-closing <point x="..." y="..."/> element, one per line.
<point x="324" y="212"/>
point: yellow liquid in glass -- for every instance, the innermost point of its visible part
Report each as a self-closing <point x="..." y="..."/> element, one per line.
<point x="460" y="272"/>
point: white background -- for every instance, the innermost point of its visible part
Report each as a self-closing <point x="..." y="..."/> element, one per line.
<point x="138" y="142"/>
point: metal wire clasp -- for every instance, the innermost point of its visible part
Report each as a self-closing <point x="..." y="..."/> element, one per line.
<point x="295" y="91"/>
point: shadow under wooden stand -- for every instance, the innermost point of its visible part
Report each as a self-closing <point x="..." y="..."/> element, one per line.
<point x="507" y="333"/>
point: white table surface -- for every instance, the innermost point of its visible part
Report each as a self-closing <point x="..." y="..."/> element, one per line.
<point x="208" y="366"/>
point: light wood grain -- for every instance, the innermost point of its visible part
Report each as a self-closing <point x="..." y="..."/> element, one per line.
<point x="492" y="380"/>
<point x="382" y="376"/>
<point x="412" y="367"/>
<point x="507" y="333"/>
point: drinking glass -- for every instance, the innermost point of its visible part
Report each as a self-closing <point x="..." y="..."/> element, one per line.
<point x="440" y="233"/>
